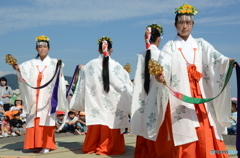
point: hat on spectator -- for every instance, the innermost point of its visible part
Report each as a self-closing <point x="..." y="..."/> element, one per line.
<point x="19" y="98"/>
<point x="60" y="113"/>
<point x="234" y="100"/>
<point x="82" y="113"/>
<point x="1" y="103"/>
<point x="9" y="114"/>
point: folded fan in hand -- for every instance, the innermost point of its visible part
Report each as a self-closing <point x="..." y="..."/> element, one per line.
<point x="10" y="59"/>
<point x="127" y="67"/>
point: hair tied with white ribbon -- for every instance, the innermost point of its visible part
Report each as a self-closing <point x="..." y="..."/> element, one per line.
<point x="105" y="48"/>
<point x="148" y="36"/>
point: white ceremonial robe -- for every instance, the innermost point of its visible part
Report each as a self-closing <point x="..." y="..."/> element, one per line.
<point x="110" y="109"/>
<point x="213" y="66"/>
<point x="29" y="72"/>
<point x="147" y="111"/>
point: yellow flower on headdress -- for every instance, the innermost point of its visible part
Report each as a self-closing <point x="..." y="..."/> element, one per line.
<point x="189" y="11"/>
<point x="104" y="39"/>
<point x="186" y="9"/>
<point x="187" y="6"/>
<point x="42" y="38"/>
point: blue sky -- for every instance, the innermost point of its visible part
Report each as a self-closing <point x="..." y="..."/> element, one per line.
<point x="74" y="27"/>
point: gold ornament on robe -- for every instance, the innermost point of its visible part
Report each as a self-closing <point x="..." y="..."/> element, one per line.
<point x="155" y="68"/>
<point x="127" y="67"/>
<point x="10" y="59"/>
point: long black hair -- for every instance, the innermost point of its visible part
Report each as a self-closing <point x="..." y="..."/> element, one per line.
<point x="154" y="35"/>
<point x="4" y="79"/>
<point x="105" y="69"/>
<point x="48" y="44"/>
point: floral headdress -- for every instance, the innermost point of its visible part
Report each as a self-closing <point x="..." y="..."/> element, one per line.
<point x="158" y="27"/>
<point x="104" y="39"/>
<point x="186" y="9"/>
<point x="42" y="38"/>
<point x="148" y="33"/>
<point x="104" y="42"/>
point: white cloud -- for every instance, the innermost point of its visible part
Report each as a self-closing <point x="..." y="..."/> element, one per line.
<point x="3" y="73"/>
<point x="223" y="20"/>
<point x="37" y="13"/>
<point x="156" y="21"/>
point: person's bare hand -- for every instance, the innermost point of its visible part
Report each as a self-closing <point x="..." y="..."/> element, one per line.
<point x="232" y="59"/>
<point x="4" y="96"/>
<point x="80" y="67"/>
<point x="15" y="67"/>
<point x="160" y="78"/>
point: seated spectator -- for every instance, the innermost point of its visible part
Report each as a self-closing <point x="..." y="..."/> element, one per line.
<point x="81" y="127"/>
<point x="233" y="119"/>
<point x="17" y="104"/>
<point x="59" y="122"/>
<point x="23" y="115"/>
<point x="16" y="124"/>
<point x="71" y="122"/>
<point x="18" y="107"/>
<point x="6" y="130"/>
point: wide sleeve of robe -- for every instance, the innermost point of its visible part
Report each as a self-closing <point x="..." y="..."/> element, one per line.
<point x="215" y="66"/>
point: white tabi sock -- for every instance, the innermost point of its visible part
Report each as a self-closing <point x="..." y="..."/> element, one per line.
<point x="44" y="150"/>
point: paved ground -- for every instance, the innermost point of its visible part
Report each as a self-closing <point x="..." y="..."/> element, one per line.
<point x="70" y="146"/>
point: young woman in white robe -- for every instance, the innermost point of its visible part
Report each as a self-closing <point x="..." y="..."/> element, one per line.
<point x="195" y="68"/>
<point x="104" y="92"/>
<point x="40" y="122"/>
<point x="145" y="109"/>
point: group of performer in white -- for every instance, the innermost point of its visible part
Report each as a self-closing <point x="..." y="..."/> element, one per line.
<point x="165" y="126"/>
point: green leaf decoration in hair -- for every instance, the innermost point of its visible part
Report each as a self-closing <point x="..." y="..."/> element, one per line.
<point x="158" y="27"/>
<point x="104" y="39"/>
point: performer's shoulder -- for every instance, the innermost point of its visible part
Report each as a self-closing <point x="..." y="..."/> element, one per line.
<point x="114" y="62"/>
<point x="54" y="60"/>
<point x="29" y="62"/>
<point x="169" y="43"/>
<point x="202" y="42"/>
<point x="92" y="62"/>
<point x="141" y="54"/>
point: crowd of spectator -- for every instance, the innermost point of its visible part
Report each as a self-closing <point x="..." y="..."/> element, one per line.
<point x="12" y="122"/>
<point x="75" y="122"/>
